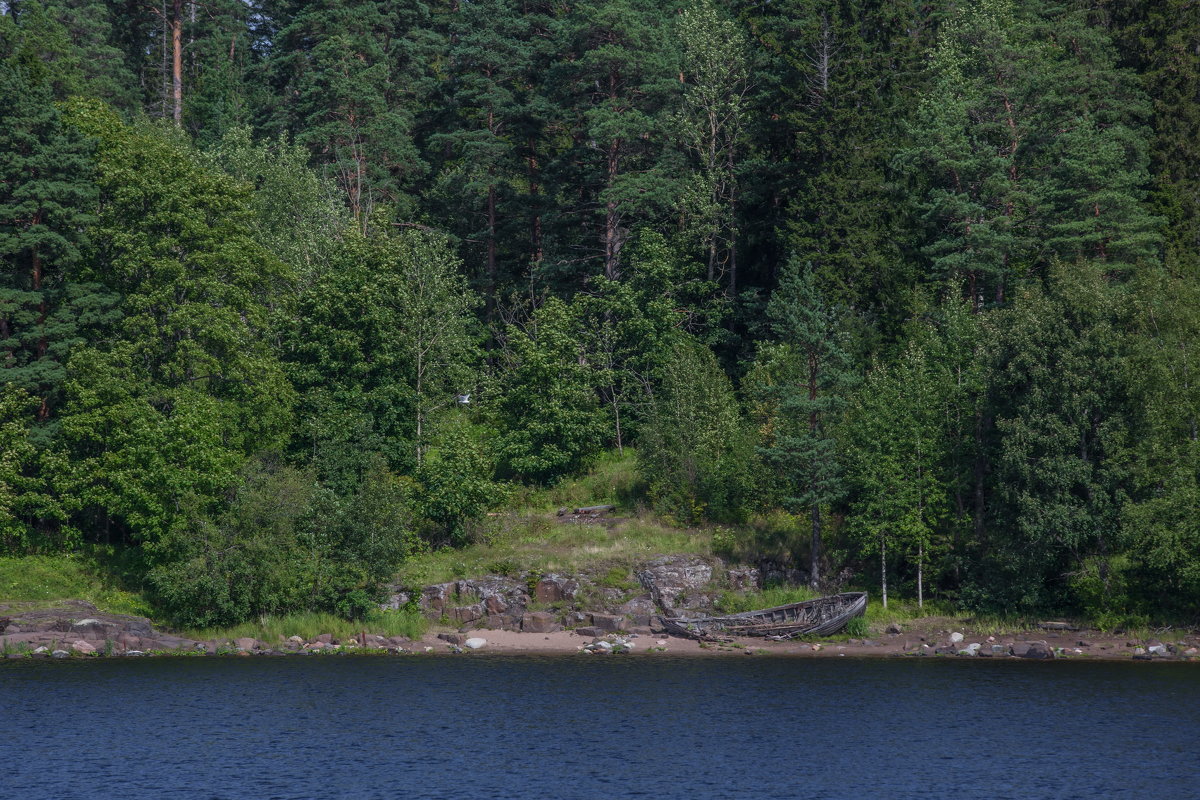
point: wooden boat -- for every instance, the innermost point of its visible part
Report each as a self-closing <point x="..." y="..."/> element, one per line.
<point x="819" y="617"/>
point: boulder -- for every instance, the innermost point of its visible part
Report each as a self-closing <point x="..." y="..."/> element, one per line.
<point x="539" y="622"/>
<point x="608" y="622"/>
<point x="555" y="588"/>
<point x="893" y="628"/>
<point x="452" y="638"/>
<point x="395" y="602"/>
<point x="475" y="642"/>
<point x="437" y="599"/>
<point x="1034" y="650"/>
<point x="590" y="632"/>
<point x="639" y="609"/>
<point x="971" y="650"/>
<point x="471" y="613"/>
<point x="246" y="643"/>
<point x="956" y="637"/>
<point x="670" y="579"/>
<point x="84" y="648"/>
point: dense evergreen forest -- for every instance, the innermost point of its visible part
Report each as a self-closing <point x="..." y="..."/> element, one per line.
<point x="290" y="290"/>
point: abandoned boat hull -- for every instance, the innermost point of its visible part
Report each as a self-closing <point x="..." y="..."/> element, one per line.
<point x="819" y="617"/>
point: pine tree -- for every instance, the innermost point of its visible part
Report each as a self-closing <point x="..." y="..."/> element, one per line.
<point x="615" y="80"/>
<point x="347" y="72"/>
<point x="47" y="201"/>
<point x="490" y="64"/>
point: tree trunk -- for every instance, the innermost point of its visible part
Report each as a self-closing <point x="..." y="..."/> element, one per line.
<point x="814" y="565"/>
<point x="612" y="217"/>
<point x="491" y="243"/>
<point x="177" y="62"/>
<point x="535" y="232"/>
<point x="920" y="575"/>
<point x="883" y="565"/>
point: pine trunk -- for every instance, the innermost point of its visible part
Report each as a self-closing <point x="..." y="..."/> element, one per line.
<point x="177" y="62"/>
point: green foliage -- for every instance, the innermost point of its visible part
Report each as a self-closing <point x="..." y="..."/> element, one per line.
<point x="987" y="209"/>
<point x="811" y="376"/>
<point x="694" y="451"/>
<point x="31" y="516"/>
<point x="163" y="410"/>
<point x="456" y="482"/>
<point x="47" y="201"/>
<point x="553" y="423"/>
<point x="286" y="543"/>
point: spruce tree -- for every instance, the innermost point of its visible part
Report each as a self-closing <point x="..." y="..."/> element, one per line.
<point x="802" y="446"/>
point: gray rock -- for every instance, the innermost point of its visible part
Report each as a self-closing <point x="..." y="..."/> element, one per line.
<point x="555" y="588"/>
<point x="475" y="642"/>
<point x="894" y="628"/>
<point x="83" y="648"/>
<point x="246" y="643"/>
<point x="956" y="637"/>
<point x="667" y="578"/>
<point x="60" y="654"/>
<point x="1037" y="650"/>
<point x="395" y="602"/>
<point x="608" y="622"/>
<point x="590" y="632"/>
<point x="452" y="638"/>
<point x="539" y="622"/>
<point x="640" y="609"/>
<point x="743" y="579"/>
<point x="1157" y="649"/>
<point x="970" y="650"/>
<point x="471" y="613"/>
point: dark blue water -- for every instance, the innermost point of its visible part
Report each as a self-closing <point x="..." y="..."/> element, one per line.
<point x="576" y="727"/>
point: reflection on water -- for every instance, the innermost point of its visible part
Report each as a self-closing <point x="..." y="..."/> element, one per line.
<point x="581" y="727"/>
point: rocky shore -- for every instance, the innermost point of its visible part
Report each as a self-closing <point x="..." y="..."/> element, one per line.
<point x="77" y="630"/>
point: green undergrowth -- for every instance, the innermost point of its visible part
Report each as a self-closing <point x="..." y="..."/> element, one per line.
<point x="613" y="480"/>
<point x="308" y="625"/>
<point x="544" y="544"/>
<point x="39" y="580"/>
<point x="737" y="602"/>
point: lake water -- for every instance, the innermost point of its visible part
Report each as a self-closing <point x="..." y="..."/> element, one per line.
<point x="591" y="727"/>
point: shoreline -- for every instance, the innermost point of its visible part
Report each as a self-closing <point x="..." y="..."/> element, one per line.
<point x="1029" y="645"/>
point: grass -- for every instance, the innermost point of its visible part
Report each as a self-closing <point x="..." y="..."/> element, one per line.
<point x="309" y="625"/>
<point x="737" y="602"/>
<point x="541" y="544"/>
<point x="42" y="579"/>
<point x="613" y="480"/>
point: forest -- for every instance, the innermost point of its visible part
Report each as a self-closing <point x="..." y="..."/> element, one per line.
<point x="290" y="291"/>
